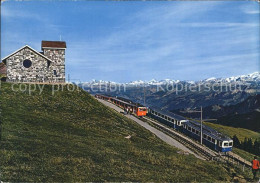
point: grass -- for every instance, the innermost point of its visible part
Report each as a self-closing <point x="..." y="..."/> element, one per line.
<point x="70" y="136"/>
<point x="241" y="133"/>
<point x="244" y="154"/>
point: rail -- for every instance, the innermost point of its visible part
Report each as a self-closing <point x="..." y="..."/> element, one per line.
<point x="203" y="151"/>
<point x="199" y="149"/>
<point x="196" y="148"/>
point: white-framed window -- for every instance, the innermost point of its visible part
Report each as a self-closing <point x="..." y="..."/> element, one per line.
<point x="225" y="144"/>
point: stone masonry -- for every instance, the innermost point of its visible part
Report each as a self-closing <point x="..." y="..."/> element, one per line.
<point x="28" y="65"/>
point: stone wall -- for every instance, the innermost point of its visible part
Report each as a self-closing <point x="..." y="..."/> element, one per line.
<point x="58" y="64"/>
<point x="39" y="71"/>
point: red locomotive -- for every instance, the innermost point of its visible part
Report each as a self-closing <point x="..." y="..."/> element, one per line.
<point x="127" y="105"/>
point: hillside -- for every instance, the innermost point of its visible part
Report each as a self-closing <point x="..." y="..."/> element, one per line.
<point x="172" y="94"/>
<point x="250" y="104"/>
<point x="167" y="98"/>
<point x="250" y="120"/>
<point x="245" y="114"/>
<point x="70" y="136"/>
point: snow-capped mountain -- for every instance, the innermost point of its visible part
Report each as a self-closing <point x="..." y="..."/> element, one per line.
<point x="133" y="83"/>
<point x="250" y="77"/>
<point x="254" y="77"/>
<point x="99" y="82"/>
<point x="153" y="82"/>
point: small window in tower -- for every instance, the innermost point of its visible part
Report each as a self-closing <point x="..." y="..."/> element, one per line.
<point x="27" y="63"/>
<point x="55" y="72"/>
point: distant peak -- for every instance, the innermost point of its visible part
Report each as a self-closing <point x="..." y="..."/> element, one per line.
<point x="255" y="76"/>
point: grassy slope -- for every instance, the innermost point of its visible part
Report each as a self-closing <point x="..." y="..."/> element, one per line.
<point x="246" y="155"/>
<point x="241" y="133"/>
<point x="72" y="137"/>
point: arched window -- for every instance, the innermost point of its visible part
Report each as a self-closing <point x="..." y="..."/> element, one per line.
<point x="27" y="63"/>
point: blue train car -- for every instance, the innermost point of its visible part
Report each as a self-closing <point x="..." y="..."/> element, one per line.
<point x="211" y="138"/>
<point x="170" y="119"/>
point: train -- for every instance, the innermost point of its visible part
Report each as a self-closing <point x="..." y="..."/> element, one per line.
<point x="127" y="105"/>
<point x="211" y="138"/>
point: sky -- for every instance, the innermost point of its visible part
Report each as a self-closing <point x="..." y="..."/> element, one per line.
<point x="125" y="41"/>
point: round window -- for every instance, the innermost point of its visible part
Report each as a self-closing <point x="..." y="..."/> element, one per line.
<point x="27" y="63"/>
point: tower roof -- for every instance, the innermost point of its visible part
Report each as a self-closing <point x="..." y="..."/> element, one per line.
<point x="54" y="44"/>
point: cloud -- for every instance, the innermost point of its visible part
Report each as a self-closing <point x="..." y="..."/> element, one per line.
<point x="6" y="12"/>
<point x="142" y="39"/>
<point x="140" y="31"/>
<point x="252" y="12"/>
<point x="251" y="8"/>
<point x="162" y="40"/>
<point x="24" y="27"/>
<point x="218" y="24"/>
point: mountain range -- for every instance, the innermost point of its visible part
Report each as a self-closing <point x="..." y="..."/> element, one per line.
<point x="233" y="101"/>
<point x="249" y="78"/>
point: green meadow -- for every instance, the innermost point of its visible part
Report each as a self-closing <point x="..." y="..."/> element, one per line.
<point x="70" y="136"/>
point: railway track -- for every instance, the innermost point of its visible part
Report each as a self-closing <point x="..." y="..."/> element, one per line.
<point x="200" y="150"/>
<point x="190" y="144"/>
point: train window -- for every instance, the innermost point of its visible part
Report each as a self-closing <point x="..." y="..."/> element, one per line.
<point x="213" y="140"/>
<point x="173" y="120"/>
<point x="197" y="132"/>
<point x="142" y="109"/>
<point x="225" y="144"/>
<point x="166" y="117"/>
<point x="205" y="136"/>
<point x="220" y="144"/>
<point x="162" y="116"/>
<point x="209" y="138"/>
<point x="230" y="144"/>
<point x="159" y="114"/>
<point x="189" y="128"/>
<point x="193" y="130"/>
